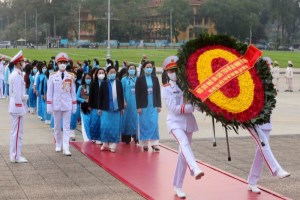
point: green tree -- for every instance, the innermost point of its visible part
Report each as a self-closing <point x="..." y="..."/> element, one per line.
<point x="125" y="13"/>
<point x="285" y="19"/>
<point x="182" y="14"/>
<point x="237" y="17"/>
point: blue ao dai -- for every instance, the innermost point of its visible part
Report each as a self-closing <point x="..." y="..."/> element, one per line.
<point x="148" y="119"/>
<point x="130" y="117"/>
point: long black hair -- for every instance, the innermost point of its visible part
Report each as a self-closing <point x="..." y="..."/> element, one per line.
<point x="11" y="66"/>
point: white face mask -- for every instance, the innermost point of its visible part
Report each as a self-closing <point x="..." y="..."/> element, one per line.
<point x="62" y="67"/>
<point x="172" y="76"/>
<point x="101" y="76"/>
<point x="23" y="65"/>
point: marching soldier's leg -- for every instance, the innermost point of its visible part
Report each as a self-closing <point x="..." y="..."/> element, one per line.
<point x="180" y="170"/>
<point x="265" y="150"/>
<point x="184" y="144"/>
<point x="66" y="132"/>
<point x="256" y="167"/>
<point x="14" y="122"/>
<point x="16" y="136"/>
<point x="57" y="130"/>
<point x="20" y="136"/>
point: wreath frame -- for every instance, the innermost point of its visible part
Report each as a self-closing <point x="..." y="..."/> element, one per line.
<point x="262" y="69"/>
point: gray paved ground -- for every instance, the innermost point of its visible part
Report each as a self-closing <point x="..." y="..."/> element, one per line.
<point x="49" y="175"/>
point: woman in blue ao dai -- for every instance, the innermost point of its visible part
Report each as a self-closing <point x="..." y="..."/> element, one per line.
<point x="100" y="76"/>
<point x="148" y="102"/>
<point x="40" y="90"/>
<point x="130" y="118"/>
<point x="49" y="71"/>
<point x="32" y="96"/>
<point x="111" y="107"/>
<point x="82" y="97"/>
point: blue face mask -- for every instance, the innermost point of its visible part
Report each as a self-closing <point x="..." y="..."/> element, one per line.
<point x="112" y="77"/>
<point x="148" y="70"/>
<point x="88" y="81"/>
<point x="131" y="71"/>
<point x="34" y="70"/>
<point x="44" y="71"/>
<point x="51" y="71"/>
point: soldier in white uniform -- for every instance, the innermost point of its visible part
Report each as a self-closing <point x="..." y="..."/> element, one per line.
<point x="181" y="124"/>
<point x="2" y="61"/>
<point x="17" y="108"/>
<point x="61" y="101"/>
<point x="289" y="76"/>
<point x="276" y="74"/>
<point x="263" y="153"/>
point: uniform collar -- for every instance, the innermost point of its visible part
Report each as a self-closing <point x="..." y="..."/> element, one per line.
<point x="18" y="70"/>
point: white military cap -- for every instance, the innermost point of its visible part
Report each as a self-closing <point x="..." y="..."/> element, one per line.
<point x="170" y="62"/>
<point x="17" y="58"/>
<point x="61" y="57"/>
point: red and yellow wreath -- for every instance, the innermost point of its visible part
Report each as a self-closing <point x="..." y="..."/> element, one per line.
<point x="247" y="99"/>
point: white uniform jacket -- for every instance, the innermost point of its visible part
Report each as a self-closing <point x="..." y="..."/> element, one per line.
<point x="289" y="72"/>
<point x="276" y="72"/>
<point x="16" y="93"/>
<point x="61" y="93"/>
<point x="180" y="115"/>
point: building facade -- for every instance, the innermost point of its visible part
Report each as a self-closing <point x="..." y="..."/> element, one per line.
<point x="158" y="27"/>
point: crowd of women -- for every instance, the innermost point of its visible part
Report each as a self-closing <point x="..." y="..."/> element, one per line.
<point x="113" y="105"/>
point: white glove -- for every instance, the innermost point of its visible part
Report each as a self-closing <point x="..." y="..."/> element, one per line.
<point x="74" y="108"/>
<point x="74" y="111"/>
<point x="25" y="98"/>
<point x="49" y="109"/>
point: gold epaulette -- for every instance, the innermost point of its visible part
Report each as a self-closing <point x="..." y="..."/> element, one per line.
<point x="53" y="73"/>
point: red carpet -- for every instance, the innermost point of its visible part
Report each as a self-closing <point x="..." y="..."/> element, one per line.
<point x="151" y="175"/>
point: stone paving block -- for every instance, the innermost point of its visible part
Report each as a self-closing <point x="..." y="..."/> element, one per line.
<point x="4" y="183"/>
<point x="58" y="175"/>
<point x="12" y="192"/>
<point x="119" y="188"/>
<point x="29" y="180"/>
<point x="60" y="182"/>
<point x="40" y="192"/>
<point x="90" y="181"/>
<point x="20" y="167"/>
<point x="97" y="190"/>
<point x="64" y="191"/>
<point x="50" y="171"/>
<point x="7" y="177"/>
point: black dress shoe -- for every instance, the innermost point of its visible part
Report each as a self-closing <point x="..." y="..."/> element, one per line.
<point x="145" y="148"/>
<point x="155" y="148"/>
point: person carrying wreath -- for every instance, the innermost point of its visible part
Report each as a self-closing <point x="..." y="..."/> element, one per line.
<point x="181" y="124"/>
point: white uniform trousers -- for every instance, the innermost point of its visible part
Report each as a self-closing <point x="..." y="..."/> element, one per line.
<point x="16" y="136"/>
<point x="262" y="153"/>
<point x="62" y="139"/>
<point x="289" y="82"/>
<point x="1" y="88"/>
<point x="185" y="156"/>
<point x="276" y="83"/>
